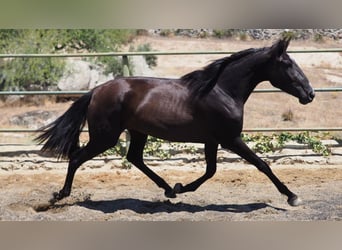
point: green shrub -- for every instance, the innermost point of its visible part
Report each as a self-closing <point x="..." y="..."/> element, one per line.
<point x="44" y="73"/>
<point x="166" y="32"/>
<point x="318" y="38"/>
<point x="28" y="73"/>
<point x="288" y="115"/>
<point x="289" y="34"/>
<point x="265" y="144"/>
<point x="151" y="60"/>
<point x="154" y="147"/>
<point x="223" y="33"/>
<point x="32" y="73"/>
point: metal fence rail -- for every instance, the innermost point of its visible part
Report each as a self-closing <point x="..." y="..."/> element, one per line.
<point x="81" y="92"/>
<point x="125" y="63"/>
<point x="156" y="53"/>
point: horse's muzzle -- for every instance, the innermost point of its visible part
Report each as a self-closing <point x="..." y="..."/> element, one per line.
<point x="309" y="98"/>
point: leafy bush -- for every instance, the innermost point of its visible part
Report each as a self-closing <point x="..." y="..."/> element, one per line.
<point x="154" y="147"/>
<point x="166" y="32"/>
<point x="288" y="115"/>
<point x="225" y="33"/>
<point x="44" y="73"/>
<point x="28" y="73"/>
<point x="262" y="144"/>
<point x="265" y="144"/>
<point x="32" y="73"/>
<point x="99" y="41"/>
<point x="151" y="60"/>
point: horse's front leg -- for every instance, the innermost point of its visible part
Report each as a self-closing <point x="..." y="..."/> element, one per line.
<point x="210" y="157"/>
<point x="240" y="148"/>
<point x="135" y="156"/>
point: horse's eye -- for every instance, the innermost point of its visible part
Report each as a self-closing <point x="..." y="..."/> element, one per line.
<point x="285" y="60"/>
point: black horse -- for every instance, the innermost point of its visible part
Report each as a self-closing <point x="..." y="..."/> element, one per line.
<point x="204" y="106"/>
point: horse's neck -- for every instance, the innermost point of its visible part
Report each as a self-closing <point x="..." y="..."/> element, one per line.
<point x="239" y="81"/>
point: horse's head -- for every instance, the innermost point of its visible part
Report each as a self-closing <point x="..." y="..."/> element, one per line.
<point x="286" y="75"/>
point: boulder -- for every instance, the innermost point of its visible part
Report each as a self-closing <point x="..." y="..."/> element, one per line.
<point x="33" y="119"/>
<point x="81" y="75"/>
<point x="140" y="67"/>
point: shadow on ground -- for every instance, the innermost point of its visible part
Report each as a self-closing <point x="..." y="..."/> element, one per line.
<point x="151" y="207"/>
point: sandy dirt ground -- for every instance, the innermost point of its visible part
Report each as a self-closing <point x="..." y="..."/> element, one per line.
<point x="104" y="190"/>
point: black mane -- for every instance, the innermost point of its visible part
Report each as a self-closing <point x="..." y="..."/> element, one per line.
<point x="201" y="82"/>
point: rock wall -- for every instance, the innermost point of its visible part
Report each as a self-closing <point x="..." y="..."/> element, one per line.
<point x="252" y="33"/>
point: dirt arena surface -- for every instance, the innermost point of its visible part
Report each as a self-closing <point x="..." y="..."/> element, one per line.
<point x="103" y="190"/>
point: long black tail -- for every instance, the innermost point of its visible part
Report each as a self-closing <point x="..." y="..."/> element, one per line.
<point x="62" y="135"/>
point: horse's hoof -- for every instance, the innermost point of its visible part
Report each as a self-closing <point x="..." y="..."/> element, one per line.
<point x="170" y="194"/>
<point x="294" y="201"/>
<point x="55" y="198"/>
<point x="178" y="188"/>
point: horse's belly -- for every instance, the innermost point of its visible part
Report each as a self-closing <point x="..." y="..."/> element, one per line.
<point x="172" y="131"/>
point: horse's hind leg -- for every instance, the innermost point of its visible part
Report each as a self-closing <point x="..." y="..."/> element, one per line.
<point x="135" y="156"/>
<point x="96" y="145"/>
<point x="210" y="157"/>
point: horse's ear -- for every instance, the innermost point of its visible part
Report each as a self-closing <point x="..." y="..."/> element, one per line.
<point x="286" y="42"/>
<point x="280" y="47"/>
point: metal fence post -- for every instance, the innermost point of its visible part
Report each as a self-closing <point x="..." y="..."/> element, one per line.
<point x="125" y="64"/>
<point x="126" y="73"/>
